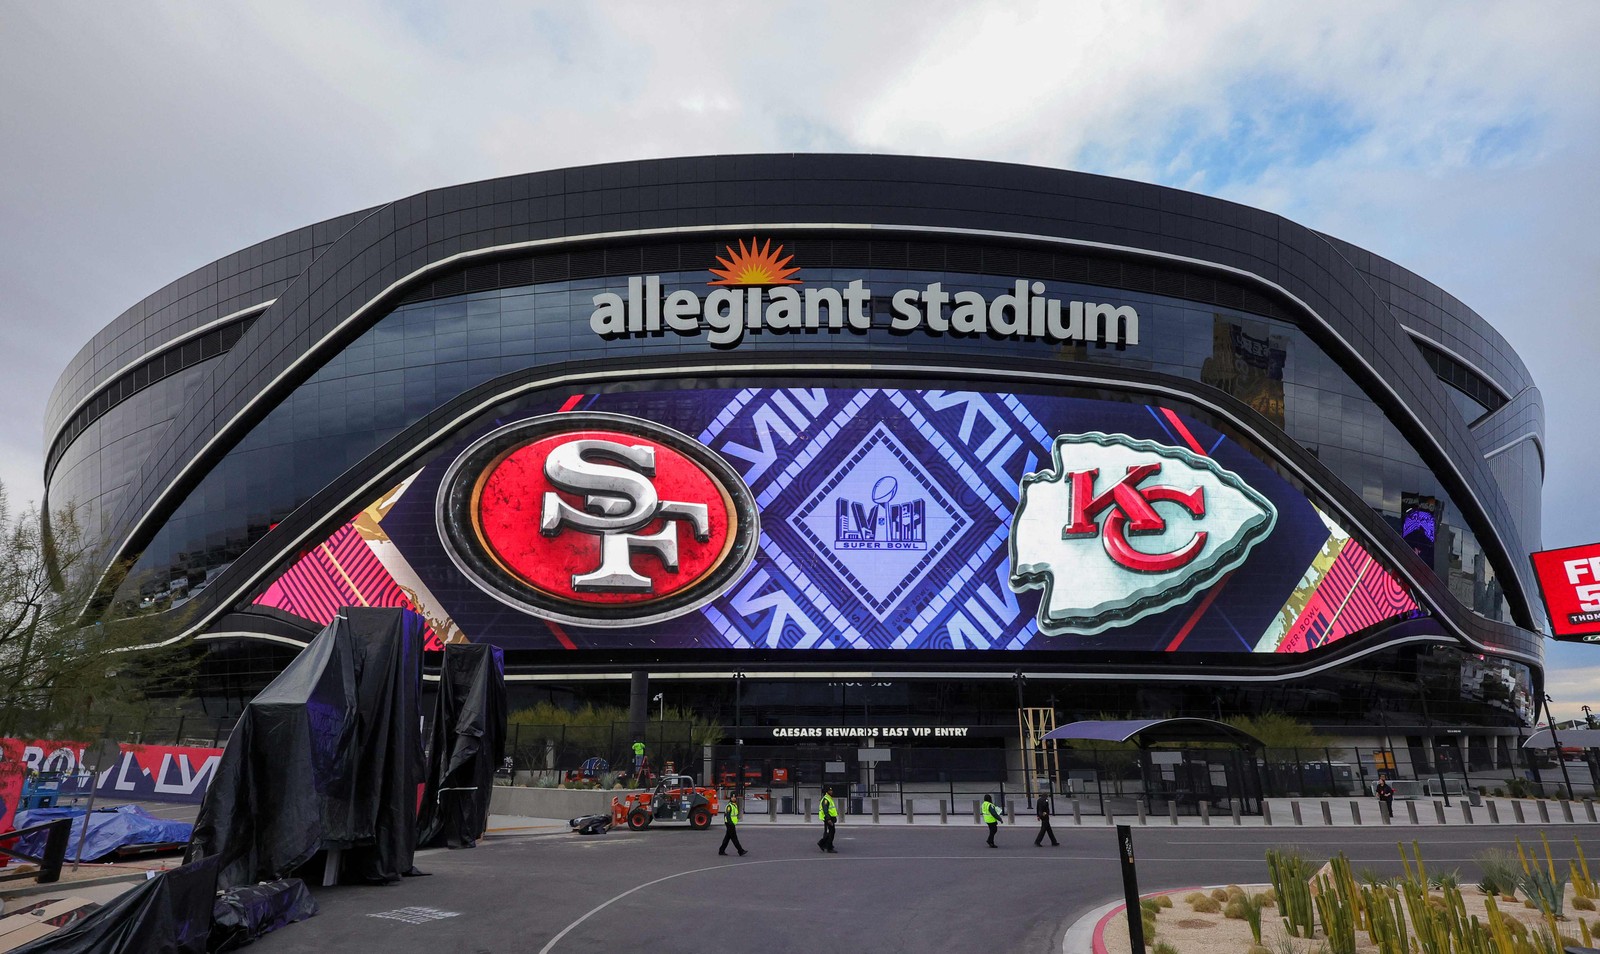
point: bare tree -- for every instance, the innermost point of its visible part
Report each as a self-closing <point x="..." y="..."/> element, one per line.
<point x="65" y="671"/>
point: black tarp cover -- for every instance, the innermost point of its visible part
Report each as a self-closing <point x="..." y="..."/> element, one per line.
<point x="168" y="914"/>
<point x="329" y="755"/>
<point x="466" y="746"/>
<point x="247" y="913"/>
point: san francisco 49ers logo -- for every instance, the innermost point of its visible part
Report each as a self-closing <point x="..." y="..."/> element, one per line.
<point x="1124" y="528"/>
<point x="597" y="519"/>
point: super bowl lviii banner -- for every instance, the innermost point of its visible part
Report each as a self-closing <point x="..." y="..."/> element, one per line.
<point x="838" y="518"/>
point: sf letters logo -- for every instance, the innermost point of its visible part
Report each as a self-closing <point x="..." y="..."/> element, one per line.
<point x="1132" y="511"/>
<point x="619" y="500"/>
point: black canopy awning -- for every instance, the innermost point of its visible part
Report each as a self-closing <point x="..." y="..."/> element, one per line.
<point x="1148" y="732"/>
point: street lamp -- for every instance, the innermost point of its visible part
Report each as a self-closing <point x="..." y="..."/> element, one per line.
<point x="661" y="712"/>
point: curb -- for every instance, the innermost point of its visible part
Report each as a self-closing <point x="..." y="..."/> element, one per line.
<point x="1102" y="916"/>
<point x="68" y="886"/>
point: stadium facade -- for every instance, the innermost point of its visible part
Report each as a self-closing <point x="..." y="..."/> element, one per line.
<point x="902" y="440"/>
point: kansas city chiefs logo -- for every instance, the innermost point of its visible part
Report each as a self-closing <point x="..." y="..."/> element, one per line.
<point x="1122" y="528"/>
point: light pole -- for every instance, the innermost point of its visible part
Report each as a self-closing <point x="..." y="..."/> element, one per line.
<point x="738" y="736"/>
<point x="1560" y="759"/>
<point x="661" y="711"/>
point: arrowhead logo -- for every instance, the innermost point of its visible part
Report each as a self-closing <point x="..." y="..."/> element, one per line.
<point x="1123" y="528"/>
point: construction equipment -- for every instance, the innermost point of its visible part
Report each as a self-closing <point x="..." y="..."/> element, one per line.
<point x="675" y="800"/>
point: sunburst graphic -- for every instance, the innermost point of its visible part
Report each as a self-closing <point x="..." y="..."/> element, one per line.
<point x="756" y="265"/>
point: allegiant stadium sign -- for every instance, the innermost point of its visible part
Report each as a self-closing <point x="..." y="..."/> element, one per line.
<point x="758" y="294"/>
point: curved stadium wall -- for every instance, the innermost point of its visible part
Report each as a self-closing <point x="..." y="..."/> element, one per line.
<point x="887" y="417"/>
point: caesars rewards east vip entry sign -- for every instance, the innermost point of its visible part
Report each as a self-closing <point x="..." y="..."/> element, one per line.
<point x="1569" y="580"/>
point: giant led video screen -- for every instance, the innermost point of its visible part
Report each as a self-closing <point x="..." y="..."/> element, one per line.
<point x="850" y="519"/>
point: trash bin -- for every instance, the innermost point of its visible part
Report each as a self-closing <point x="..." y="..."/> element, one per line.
<point x="786" y="804"/>
<point x="1473" y="798"/>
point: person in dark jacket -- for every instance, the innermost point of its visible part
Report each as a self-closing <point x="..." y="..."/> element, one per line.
<point x="1041" y="808"/>
<point x="1385" y="793"/>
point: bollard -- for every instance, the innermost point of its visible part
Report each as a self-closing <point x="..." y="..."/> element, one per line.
<point x="1411" y="809"/>
<point x="1205" y="813"/>
<point x="1516" y="811"/>
<point x="944" y="812"/>
<point x="1566" y="810"/>
<point x="808" y="807"/>
<point x="1234" y="804"/>
<point x="1110" y="819"/>
<point x="911" y="811"/>
<point x="1172" y="811"/>
<point x="1077" y="812"/>
<point x="1438" y="810"/>
<point x="1355" y="811"/>
<point x="874" y="810"/>
<point x="1386" y="812"/>
<point x="1466" y="812"/>
<point x="772" y="810"/>
<point x="1327" y="813"/>
<point x="1494" y="812"/>
<point x="56" y="839"/>
<point x="1294" y="809"/>
<point x="1544" y="812"/>
<point x="1130" y="889"/>
<point x="977" y="812"/>
<point x="1142" y="819"/>
<point x="1588" y="809"/>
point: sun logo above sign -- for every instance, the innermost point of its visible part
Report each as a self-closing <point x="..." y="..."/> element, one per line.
<point x="755" y="265"/>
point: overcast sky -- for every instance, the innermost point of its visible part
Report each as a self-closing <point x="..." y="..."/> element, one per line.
<point x="139" y="141"/>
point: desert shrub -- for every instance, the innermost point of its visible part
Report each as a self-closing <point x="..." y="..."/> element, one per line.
<point x="1205" y="904"/>
<point x="1150" y="905"/>
<point x="1219" y="894"/>
<point x="1234" y="891"/>
<point x="1164" y="900"/>
<point x="1445" y="879"/>
<point x="1194" y="896"/>
<point x="1234" y="909"/>
<point x="1583" y="904"/>
<point x="1499" y="870"/>
<point x="1162" y="947"/>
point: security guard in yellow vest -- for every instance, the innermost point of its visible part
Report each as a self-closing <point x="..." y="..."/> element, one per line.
<point x="730" y="828"/>
<point x="991" y="817"/>
<point x="828" y="814"/>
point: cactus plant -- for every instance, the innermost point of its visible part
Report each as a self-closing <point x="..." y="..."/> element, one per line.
<point x="1291" y="874"/>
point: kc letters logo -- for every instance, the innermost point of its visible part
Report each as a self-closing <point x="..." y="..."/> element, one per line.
<point x="597" y="519"/>
<point x="1121" y="529"/>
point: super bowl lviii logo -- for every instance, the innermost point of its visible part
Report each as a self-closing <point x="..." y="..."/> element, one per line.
<point x="1120" y="529"/>
<point x="597" y="519"/>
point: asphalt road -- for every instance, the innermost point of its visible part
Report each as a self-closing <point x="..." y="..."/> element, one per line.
<point x="891" y="888"/>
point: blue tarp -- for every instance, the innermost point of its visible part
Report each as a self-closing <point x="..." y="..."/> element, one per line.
<point x="109" y="829"/>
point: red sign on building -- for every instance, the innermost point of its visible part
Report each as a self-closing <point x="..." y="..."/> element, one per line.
<point x="1569" y="579"/>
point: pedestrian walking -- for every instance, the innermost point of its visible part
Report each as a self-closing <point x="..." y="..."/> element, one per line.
<point x="1385" y="793"/>
<point x="991" y="817"/>
<point x="730" y="828"/>
<point x="1041" y="808"/>
<point x="828" y="813"/>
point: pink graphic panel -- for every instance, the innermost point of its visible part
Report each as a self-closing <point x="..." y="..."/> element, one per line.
<point x="343" y="571"/>
<point x="1355" y="593"/>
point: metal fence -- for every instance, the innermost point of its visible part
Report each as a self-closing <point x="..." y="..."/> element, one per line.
<point x="573" y="754"/>
<point x="1120" y="781"/>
